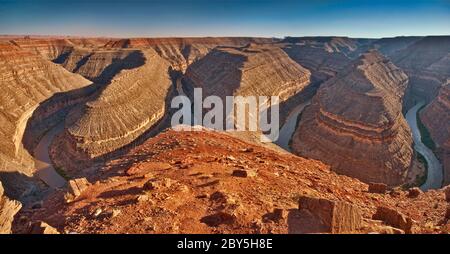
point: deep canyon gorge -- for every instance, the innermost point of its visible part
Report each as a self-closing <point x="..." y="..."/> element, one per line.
<point x="95" y="113"/>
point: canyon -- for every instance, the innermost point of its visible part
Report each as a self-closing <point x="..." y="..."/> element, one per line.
<point x="436" y="117"/>
<point x="356" y="119"/>
<point x="32" y="101"/>
<point x="97" y="112"/>
<point x="261" y="70"/>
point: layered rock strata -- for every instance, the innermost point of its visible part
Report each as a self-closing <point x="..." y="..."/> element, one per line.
<point x="131" y="104"/>
<point x="181" y="52"/>
<point x="355" y="122"/>
<point x="100" y="65"/>
<point x="427" y="64"/>
<point x="8" y="208"/>
<point x="436" y="118"/>
<point x="252" y="70"/>
<point x="26" y="81"/>
<point x="323" y="56"/>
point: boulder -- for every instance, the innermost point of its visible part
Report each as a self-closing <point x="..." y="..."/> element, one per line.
<point x="277" y="215"/>
<point x="390" y="230"/>
<point x="337" y="216"/>
<point x="158" y="184"/>
<point x="414" y="192"/>
<point x="43" y="228"/>
<point x="76" y="187"/>
<point x="377" y="188"/>
<point x="244" y="173"/>
<point x="447" y="193"/>
<point x="394" y="218"/>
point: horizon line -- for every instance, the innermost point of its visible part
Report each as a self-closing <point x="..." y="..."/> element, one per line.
<point x="209" y="36"/>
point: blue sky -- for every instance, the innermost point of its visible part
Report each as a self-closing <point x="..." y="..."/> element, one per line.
<point x="157" y="18"/>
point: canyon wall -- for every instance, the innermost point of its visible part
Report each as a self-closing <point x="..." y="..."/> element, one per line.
<point x="26" y="81"/>
<point x="427" y="64"/>
<point x="181" y="52"/>
<point x="436" y="118"/>
<point x="131" y="104"/>
<point x="8" y="208"/>
<point x="323" y="56"/>
<point x="355" y="122"/>
<point x="392" y="45"/>
<point x="100" y="65"/>
<point x="252" y="70"/>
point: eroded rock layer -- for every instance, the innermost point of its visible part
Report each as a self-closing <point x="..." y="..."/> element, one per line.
<point x="323" y="56"/>
<point x="181" y="52"/>
<point x="436" y="117"/>
<point x="427" y="64"/>
<point x="355" y="122"/>
<point x="100" y="65"/>
<point x="252" y="70"/>
<point x="27" y="80"/>
<point x="8" y="208"/>
<point x="132" y="103"/>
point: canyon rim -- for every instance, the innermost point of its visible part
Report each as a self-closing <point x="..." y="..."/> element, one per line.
<point x="232" y="118"/>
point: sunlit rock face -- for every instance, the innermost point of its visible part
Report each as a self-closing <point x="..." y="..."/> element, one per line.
<point x="8" y="208"/>
<point x="181" y="52"/>
<point x="252" y="70"/>
<point x="26" y="81"/>
<point x="355" y="122"/>
<point x="132" y="103"/>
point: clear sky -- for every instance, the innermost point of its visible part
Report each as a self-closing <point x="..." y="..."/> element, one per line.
<point x="159" y="18"/>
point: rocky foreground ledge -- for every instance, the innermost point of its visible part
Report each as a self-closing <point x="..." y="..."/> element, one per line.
<point x="210" y="182"/>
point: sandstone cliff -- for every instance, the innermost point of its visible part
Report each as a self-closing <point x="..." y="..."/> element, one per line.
<point x="252" y="70"/>
<point x="26" y="81"/>
<point x="436" y="117"/>
<point x="131" y="104"/>
<point x="323" y="56"/>
<point x="54" y="48"/>
<point x="8" y="208"/>
<point x="48" y="48"/>
<point x="100" y="65"/>
<point x="391" y="45"/>
<point x="427" y="64"/>
<point x="355" y="122"/>
<point x="181" y="52"/>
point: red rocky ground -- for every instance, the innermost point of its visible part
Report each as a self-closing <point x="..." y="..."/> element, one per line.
<point x="210" y="182"/>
